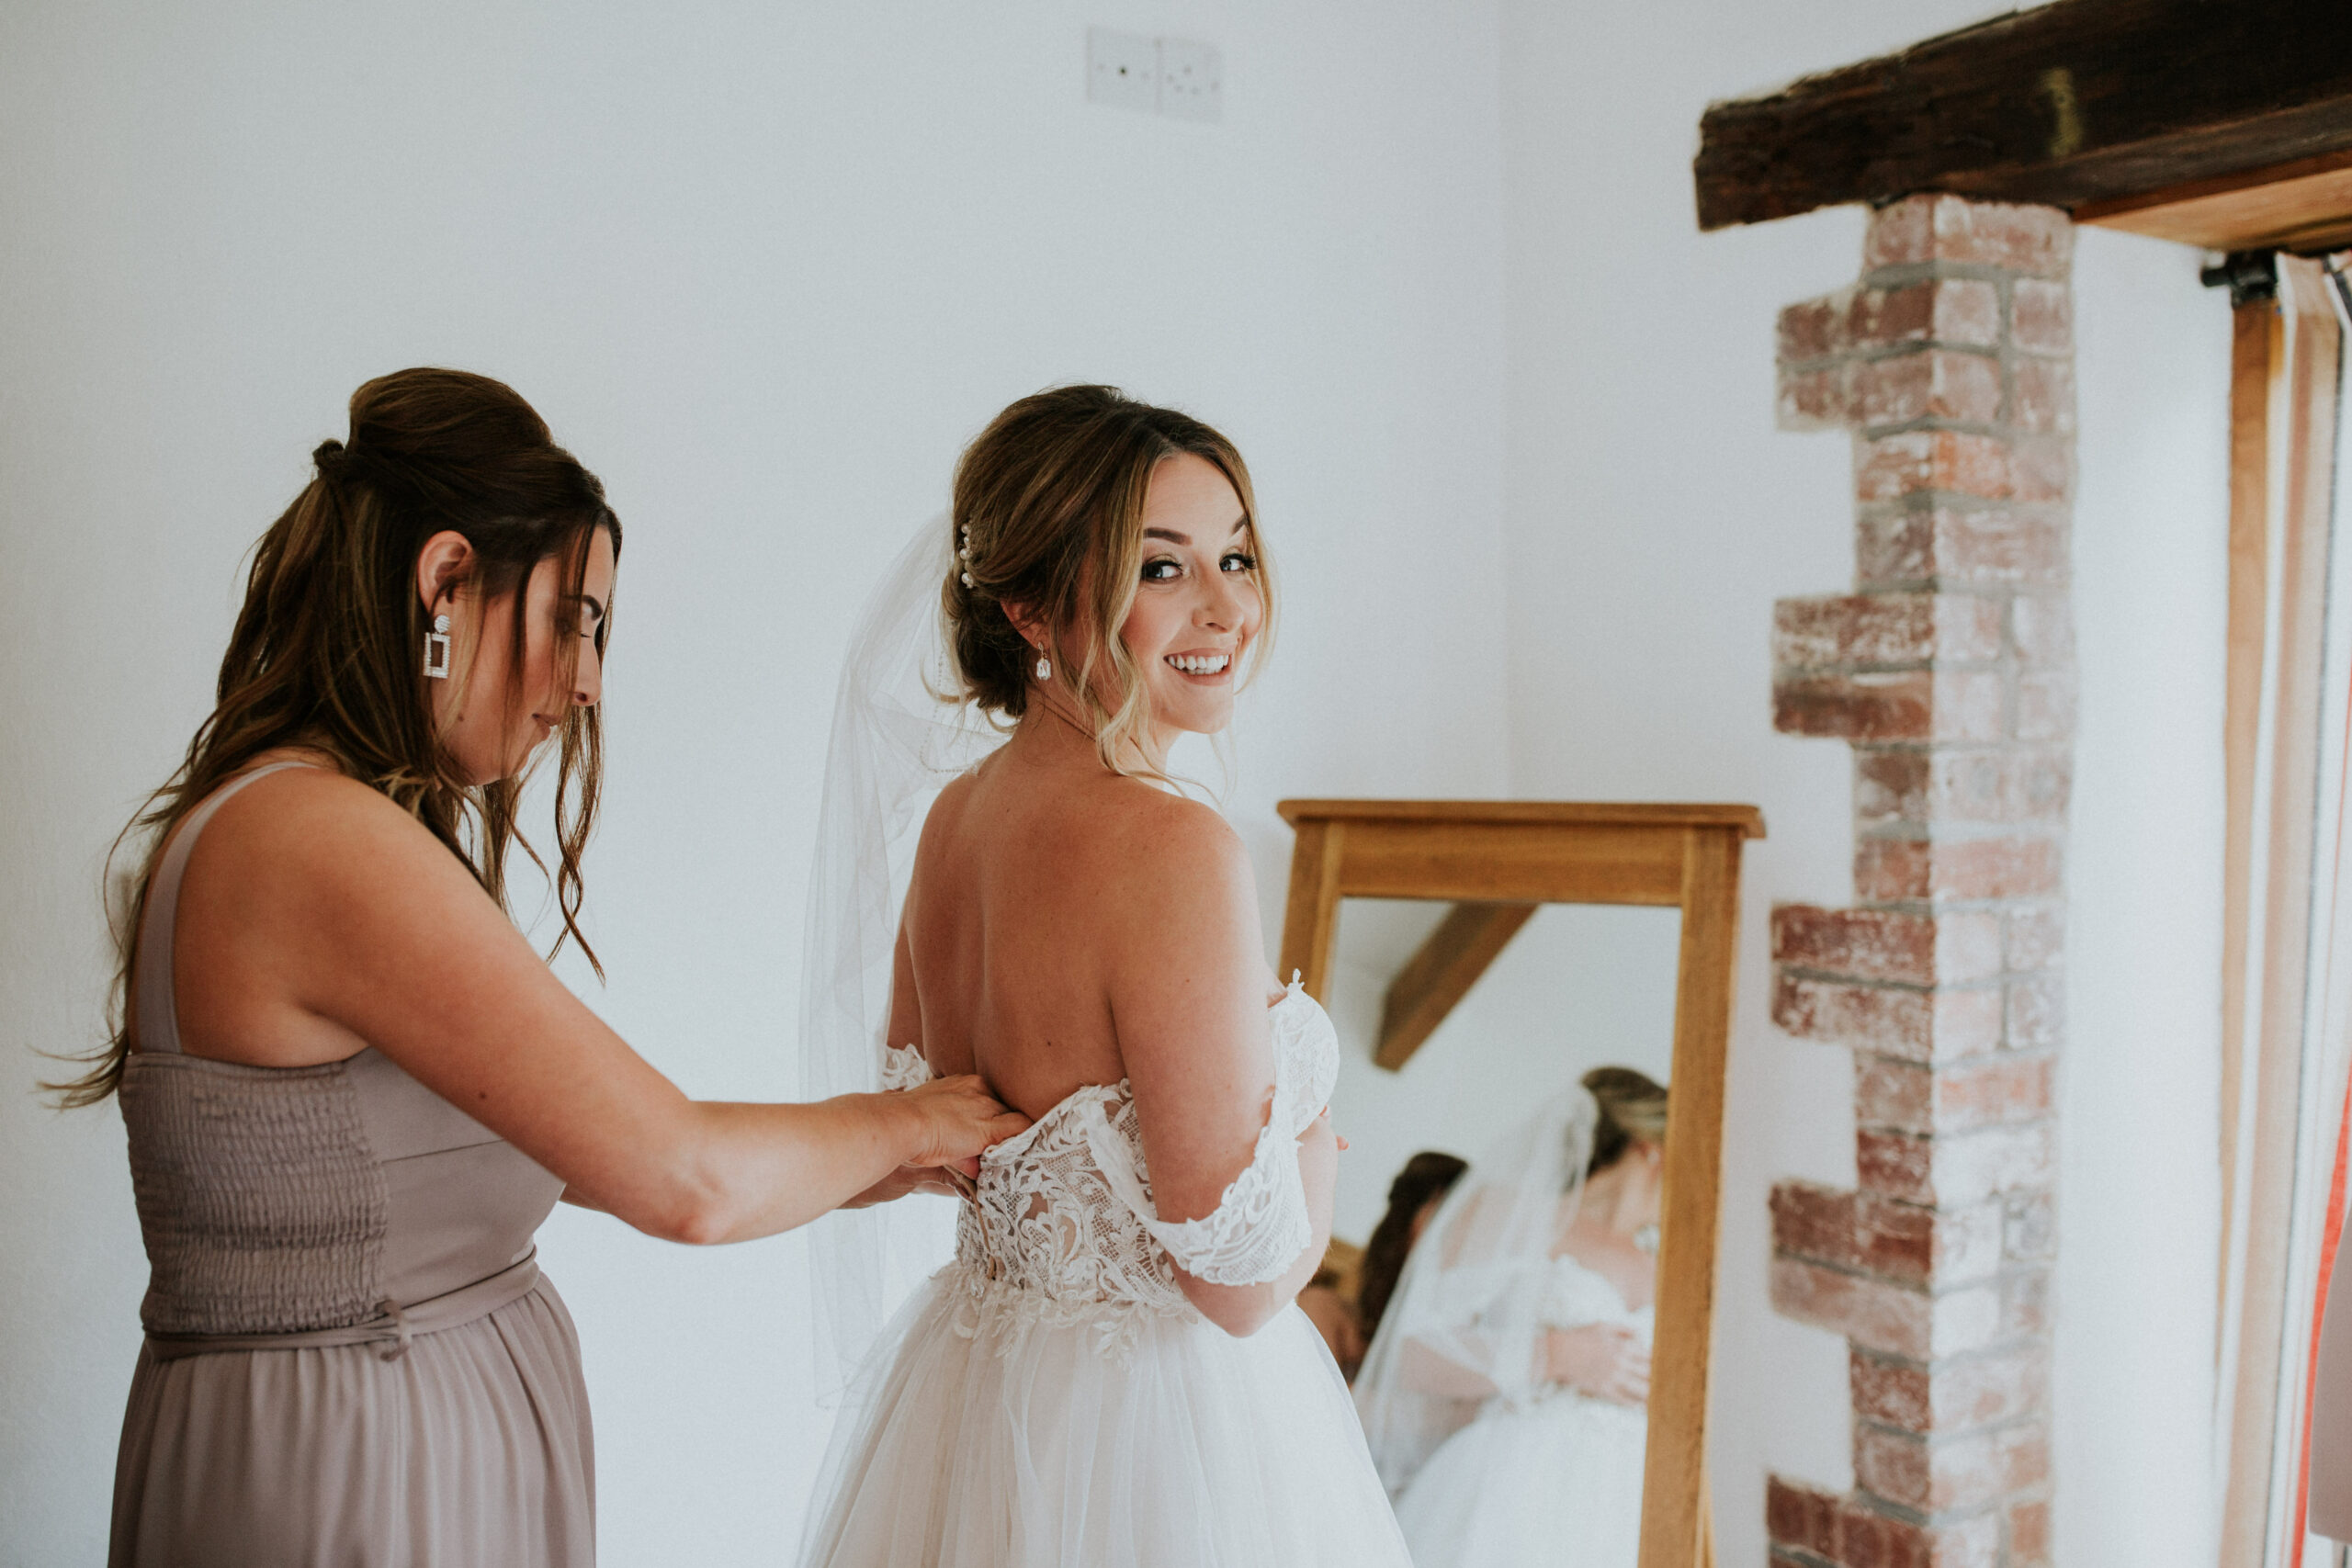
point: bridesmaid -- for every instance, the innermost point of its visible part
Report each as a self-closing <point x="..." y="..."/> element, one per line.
<point x="353" y="1090"/>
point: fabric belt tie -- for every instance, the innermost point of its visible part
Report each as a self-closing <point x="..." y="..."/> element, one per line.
<point x="393" y="1326"/>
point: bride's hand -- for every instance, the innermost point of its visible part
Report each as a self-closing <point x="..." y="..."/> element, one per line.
<point x="1601" y="1360"/>
<point x="955" y="1121"/>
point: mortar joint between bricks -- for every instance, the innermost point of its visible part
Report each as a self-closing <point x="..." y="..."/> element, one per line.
<point x="1893" y="1203"/>
<point x="1958" y="1434"/>
<point x="1933" y="1365"/>
<point x="1966" y="588"/>
<point x="1981" y="587"/>
<point x="1887" y="1507"/>
<point x="1914" y="987"/>
<point x="1998" y="430"/>
<point x="1902" y="275"/>
<point x="1998" y="664"/>
<point x="2020" y="1124"/>
<point x="1831" y="1266"/>
<point x="1913" y="502"/>
<point x="1932" y="909"/>
<point x="1953" y="831"/>
<point x="1910" y="348"/>
<point x="1797" y="1557"/>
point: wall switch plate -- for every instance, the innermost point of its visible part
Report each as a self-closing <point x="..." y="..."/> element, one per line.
<point x="1122" y="70"/>
<point x="1192" y="80"/>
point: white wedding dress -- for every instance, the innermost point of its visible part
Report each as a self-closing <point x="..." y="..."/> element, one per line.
<point x="1543" y="1474"/>
<point x="1051" y="1398"/>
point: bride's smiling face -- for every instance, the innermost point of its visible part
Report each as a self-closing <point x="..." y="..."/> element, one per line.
<point x="1198" y="603"/>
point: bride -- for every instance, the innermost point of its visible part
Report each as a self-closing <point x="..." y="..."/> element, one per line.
<point x="1112" y="1371"/>
<point x="1504" y="1393"/>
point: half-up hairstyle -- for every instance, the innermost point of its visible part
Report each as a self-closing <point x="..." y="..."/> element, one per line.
<point x="1632" y="1110"/>
<point x="1049" y="515"/>
<point x="329" y="650"/>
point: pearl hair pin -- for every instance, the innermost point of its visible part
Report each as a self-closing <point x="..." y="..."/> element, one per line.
<point x="963" y="553"/>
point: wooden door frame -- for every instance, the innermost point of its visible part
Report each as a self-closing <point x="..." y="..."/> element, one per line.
<point x="2286" y="359"/>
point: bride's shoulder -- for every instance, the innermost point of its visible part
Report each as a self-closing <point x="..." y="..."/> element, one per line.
<point x="1153" y="828"/>
<point x="1165" y="811"/>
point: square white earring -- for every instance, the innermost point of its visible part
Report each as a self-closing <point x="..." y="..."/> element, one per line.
<point x="437" y="649"/>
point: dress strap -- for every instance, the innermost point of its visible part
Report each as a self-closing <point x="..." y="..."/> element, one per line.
<point x="158" y="1009"/>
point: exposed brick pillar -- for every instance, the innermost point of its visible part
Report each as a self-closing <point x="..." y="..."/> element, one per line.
<point x="1949" y="669"/>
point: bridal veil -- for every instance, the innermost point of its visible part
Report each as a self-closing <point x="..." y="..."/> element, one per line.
<point x="901" y="735"/>
<point x="1466" y="1323"/>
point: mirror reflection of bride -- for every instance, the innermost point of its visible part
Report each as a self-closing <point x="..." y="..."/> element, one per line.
<point x="1112" y="1371"/>
<point x="1504" y="1394"/>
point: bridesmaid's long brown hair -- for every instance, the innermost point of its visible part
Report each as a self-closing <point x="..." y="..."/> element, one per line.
<point x="328" y="652"/>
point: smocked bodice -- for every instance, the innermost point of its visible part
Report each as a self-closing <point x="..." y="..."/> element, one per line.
<point x="278" y="1199"/>
<point x="292" y="1199"/>
<point x="1063" y="1228"/>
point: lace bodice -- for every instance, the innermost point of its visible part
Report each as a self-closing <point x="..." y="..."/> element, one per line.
<point x="1574" y="1295"/>
<point x="1064" y="1229"/>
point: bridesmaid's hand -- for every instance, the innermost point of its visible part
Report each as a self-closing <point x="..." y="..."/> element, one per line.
<point x="954" y="1121"/>
<point x="905" y="1181"/>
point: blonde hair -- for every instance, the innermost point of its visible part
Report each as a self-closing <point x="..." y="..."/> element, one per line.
<point x="1048" y="516"/>
<point x="1632" y="1110"/>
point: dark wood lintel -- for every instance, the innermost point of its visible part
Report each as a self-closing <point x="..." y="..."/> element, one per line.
<point x="2078" y="102"/>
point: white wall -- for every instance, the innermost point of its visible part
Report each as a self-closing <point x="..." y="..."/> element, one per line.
<point x="2140" y="1156"/>
<point x="766" y="268"/>
<point x="1654" y="514"/>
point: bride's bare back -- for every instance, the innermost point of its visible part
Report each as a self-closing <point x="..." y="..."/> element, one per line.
<point x="1069" y="927"/>
<point x="1039" y="889"/>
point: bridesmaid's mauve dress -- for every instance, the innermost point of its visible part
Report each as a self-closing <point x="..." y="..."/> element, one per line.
<point x="351" y="1358"/>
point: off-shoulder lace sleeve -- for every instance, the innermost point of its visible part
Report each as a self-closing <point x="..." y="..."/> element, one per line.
<point x="1261" y="1225"/>
<point x="903" y="1068"/>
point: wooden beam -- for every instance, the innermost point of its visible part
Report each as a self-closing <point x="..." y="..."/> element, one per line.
<point x="2304" y="206"/>
<point x="1442" y="973"/>
<point x="2078" y="102"/>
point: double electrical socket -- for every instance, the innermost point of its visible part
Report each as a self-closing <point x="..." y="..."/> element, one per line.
<point x="1172" y="76"/>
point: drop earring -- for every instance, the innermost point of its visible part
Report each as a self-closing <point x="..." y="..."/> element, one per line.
<point x="437" y="649"/>
<point x="1045" y="666"/>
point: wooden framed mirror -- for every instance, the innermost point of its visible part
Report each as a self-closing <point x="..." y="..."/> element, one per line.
<point x="1481" y="874"/>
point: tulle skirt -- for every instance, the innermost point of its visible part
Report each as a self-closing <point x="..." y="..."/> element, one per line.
<point x="1559" y="1482"/>
<point x="988" y="1436"/>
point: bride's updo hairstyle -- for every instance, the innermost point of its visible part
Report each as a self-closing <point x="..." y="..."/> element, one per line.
<point x="1049" y="515"/>
<point x="329" y="650"/>
<point x="1632" y="1110"/>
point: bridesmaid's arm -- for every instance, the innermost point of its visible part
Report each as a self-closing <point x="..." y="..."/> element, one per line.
<point x="376" y="930"/>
